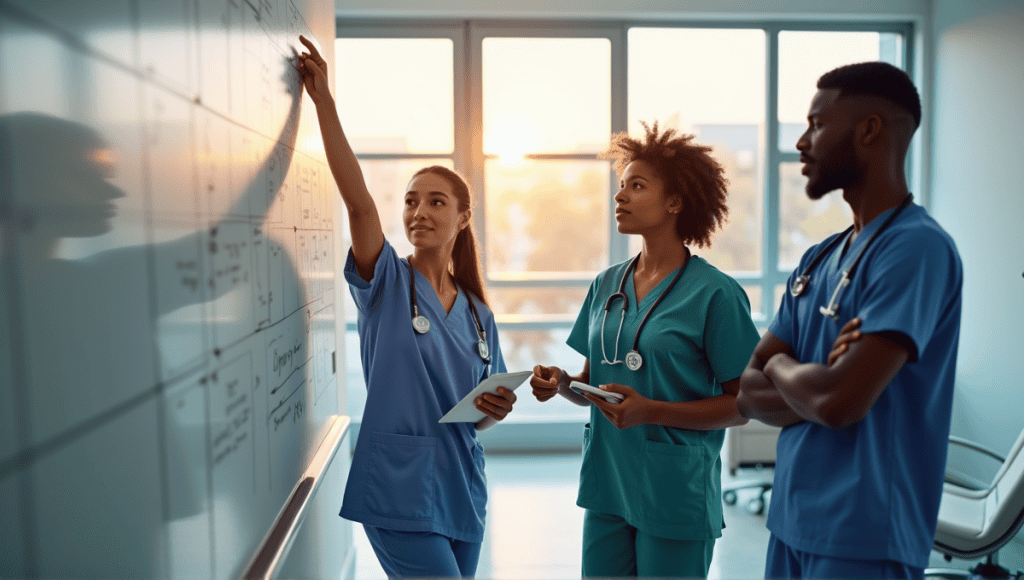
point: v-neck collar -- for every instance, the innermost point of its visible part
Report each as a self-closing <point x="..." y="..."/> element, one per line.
<point x="434" y="300"/>
<point x="841" y="260"/>
<point x="655" y="292"/>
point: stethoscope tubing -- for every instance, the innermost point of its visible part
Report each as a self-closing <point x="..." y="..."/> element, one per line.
<point x="620" y="293"/>
<point x="482" y="348"/>
<point x="803" y="280"/>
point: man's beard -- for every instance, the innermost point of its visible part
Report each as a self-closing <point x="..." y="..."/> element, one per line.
<point x="841" y="170"/>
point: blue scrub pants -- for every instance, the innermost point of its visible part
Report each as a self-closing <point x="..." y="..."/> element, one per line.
<point x="422" y="554"/>
<point x="785" y="562"/>
<point x="613" y="548"/>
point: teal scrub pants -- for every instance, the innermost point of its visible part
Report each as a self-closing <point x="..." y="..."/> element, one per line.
<point x="613" y="548"/>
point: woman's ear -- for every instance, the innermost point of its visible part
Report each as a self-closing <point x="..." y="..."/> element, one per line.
<point x="465" y="218"/>
<point x="675" y="204"/>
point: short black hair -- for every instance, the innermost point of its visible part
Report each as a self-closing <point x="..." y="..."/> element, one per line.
<point x="876" y="78"/>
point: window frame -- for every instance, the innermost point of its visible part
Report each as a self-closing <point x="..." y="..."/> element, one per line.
<point x="468" y="156"/>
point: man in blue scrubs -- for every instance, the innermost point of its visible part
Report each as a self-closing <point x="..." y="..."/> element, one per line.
<point x="860" y="460"/>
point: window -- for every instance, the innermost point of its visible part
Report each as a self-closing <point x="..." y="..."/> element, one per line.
<point x="524" y="110"/>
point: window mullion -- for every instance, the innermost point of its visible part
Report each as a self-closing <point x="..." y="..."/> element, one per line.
<point x="462" y="101"/>
<point x="618" y="243"/>
<point x="770" y="242"/>
<point x="475" y="173"/>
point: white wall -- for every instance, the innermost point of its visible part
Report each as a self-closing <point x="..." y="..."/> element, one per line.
<point x="977" y="154"/>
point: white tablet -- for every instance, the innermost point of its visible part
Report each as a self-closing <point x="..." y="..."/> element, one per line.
<point x="466" y="412"/>
<point x="610" y="396"/>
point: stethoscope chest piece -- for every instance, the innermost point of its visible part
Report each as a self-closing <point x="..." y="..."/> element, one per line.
<point x="420" y="324"/>
<point x="799" y="285"/>
<point x="633" y="360"/>
<point x="801" y="281"/>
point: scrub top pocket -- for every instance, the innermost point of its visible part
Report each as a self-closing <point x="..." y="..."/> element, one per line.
<point x="674" y="489"/>
<point x="401" y="477"/>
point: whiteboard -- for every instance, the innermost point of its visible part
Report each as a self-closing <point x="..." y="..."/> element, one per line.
<point x="168" y="345"/>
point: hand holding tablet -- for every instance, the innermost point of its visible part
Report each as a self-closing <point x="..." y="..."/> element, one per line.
<point x="466" y="412"/>
<point x="610" y="396"/>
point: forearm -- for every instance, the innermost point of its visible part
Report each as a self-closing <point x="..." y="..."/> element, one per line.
<point x="704" y="415"/>
<point x="759" y="399"/>
<point x="343" y="163"/>
<point x="486" y="423"/>
<point x="563" y="388"/>
<point x="804" y="387"/>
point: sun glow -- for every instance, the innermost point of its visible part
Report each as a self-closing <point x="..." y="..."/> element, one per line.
<point x="511" y="142"/>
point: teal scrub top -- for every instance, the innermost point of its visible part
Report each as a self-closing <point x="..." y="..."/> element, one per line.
<point x="664" y="481"/>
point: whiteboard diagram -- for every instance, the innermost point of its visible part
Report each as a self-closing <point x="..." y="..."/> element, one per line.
<point x="168" y="316"/>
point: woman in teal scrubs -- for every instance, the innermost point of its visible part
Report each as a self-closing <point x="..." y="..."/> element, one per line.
<point x="672" y="334"/>
<point x="427" y="338"/>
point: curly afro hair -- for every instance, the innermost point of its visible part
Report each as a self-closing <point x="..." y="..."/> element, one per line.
<point x="687" y="169"/>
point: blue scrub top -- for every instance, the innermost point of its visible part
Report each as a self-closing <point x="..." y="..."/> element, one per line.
<point x="664" y="481"/>
<point x="872" y="490"/>
<point x="409" y="472"/>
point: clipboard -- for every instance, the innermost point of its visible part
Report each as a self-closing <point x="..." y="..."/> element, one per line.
<point x="465" y="411"/>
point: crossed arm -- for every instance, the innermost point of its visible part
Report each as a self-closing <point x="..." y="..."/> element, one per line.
<point x="777" y="389"/>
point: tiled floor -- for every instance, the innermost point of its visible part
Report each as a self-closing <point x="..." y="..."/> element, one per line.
<point x="534" y="527"/>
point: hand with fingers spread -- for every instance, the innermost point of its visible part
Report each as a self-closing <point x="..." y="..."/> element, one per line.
<point x="496" y="406"/>
<point x="546" y="382"/>
<point x="848" y="334"/>
<point x="313" y="68"/>
<point x="629" y="412"/>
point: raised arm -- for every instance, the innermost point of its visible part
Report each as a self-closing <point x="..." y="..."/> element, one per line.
<point x="364" y="221"/>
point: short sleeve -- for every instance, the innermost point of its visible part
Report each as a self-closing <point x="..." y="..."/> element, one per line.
<point x="910" y="285"/>
<point x="729" y="333"/>
<point x="579" y="336"/>
<point x="367" y="293"/>
<point x="784" y="326"/>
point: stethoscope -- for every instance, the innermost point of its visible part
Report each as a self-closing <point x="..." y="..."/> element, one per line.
<point x="421" y="325"/>
<point x="803" y="280"/>
<point x="633" y="359"/>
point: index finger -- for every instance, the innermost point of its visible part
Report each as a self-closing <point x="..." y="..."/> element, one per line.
<point x="312" y="49"/>
<point x="852" y="324"/>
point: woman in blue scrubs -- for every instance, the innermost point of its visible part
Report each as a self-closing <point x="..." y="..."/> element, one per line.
<point x="671" y="334"/>
<point x="427" y="338"/>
